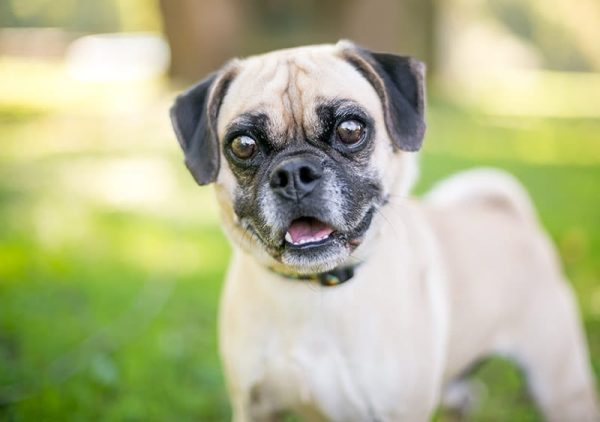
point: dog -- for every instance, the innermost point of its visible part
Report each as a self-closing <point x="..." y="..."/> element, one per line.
<point x="347" y="299"/>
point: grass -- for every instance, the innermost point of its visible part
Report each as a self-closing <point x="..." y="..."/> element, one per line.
<point x="111" y="259"/>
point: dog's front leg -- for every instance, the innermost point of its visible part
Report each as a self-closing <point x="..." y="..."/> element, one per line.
<point x="253" y="406"/>
<point x="244" y="411"/>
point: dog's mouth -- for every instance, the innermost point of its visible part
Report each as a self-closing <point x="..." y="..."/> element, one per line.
<point x="310" y="244"/>
<point x="310" y="234"/>
<point x="307" y="232"/>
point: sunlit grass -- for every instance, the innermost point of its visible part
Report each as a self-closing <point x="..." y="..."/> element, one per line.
<point x="532" y="140"/>
<point x="48" y="85"/>
<point x="532" y="93"/>
<point x="111" y="258"/>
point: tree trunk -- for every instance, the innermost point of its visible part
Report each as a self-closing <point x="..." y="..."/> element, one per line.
<point x="202" y="34"/>
<point x="403" y="27"/>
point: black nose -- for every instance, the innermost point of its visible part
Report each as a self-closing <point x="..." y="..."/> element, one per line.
<point x="295" y="178"/>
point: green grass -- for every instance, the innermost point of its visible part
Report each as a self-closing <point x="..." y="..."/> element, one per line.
<point x="110" y="276"/>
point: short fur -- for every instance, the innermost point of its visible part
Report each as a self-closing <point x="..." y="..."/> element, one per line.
<point x="439" y="283"/>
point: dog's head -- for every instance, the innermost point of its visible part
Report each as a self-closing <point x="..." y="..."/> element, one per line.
<point x="304" y="145"/>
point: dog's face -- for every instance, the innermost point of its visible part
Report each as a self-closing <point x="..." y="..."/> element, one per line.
<point x="305" y="145"/>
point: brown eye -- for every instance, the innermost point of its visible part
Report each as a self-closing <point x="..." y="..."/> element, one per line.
<point x="243" y="147"/>
<point x="350" y="131"/>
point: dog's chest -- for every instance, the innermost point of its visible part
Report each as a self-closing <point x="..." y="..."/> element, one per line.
<point x="316" y="369"/>
<point x="298" y="347"/>
<point x="308" y="372"/>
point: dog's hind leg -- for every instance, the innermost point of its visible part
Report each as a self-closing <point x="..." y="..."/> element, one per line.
<point x="461" y="397"/>
<point x="550" y="347"/>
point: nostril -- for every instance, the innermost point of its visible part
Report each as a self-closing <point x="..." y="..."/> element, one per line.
<point x="308" y="174"/>
<point x="281" y="179"/>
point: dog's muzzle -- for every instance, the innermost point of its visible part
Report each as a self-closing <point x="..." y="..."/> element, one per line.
<point x="295" y="180"/>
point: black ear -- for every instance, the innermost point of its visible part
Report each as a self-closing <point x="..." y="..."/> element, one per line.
<point x="194" y="119"/>
<point x="399" y="82"/>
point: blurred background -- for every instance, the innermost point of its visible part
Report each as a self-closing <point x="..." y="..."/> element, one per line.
<point x="111" y="258"/>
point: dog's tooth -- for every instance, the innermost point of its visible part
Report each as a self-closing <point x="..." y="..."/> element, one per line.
<point x="289" y="239"/>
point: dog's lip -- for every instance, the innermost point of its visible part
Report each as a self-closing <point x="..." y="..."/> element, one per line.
<point x="308" y="231"/>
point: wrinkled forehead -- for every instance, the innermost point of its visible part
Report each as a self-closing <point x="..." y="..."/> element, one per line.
<point x="288" y="87"/>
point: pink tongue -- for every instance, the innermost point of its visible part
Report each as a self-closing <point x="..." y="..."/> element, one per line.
<point x="307" y="229"/>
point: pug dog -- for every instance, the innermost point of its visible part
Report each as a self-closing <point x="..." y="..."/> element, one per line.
<point x="347" y="299"/>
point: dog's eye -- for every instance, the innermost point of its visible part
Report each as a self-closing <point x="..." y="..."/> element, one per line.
<point x="350" y="131"/>
<point x="243" y="147"/>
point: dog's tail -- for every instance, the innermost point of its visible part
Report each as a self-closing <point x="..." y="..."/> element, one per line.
<point x="484" y="186"/>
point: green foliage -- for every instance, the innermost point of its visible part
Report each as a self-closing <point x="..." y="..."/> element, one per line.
<point x="82" y="15"/>
<point x="108" y="300"/>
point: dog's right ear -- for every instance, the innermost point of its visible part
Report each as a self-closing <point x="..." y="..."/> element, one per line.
<point x="194" y="118"/>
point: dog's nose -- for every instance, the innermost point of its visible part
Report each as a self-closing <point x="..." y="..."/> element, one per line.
<point x="295" y="178"/>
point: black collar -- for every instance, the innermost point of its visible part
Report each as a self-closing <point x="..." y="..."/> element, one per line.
<point x="334" y="277"/>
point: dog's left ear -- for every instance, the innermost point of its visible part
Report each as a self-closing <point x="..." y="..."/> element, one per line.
<point x="194" y="118"/>
<point x="400" y="84"/>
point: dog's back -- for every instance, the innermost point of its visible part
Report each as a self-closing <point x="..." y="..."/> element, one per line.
<point x="483" y="186"/>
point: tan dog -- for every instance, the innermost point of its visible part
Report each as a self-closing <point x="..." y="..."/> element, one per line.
<point x="312" y="154"/>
